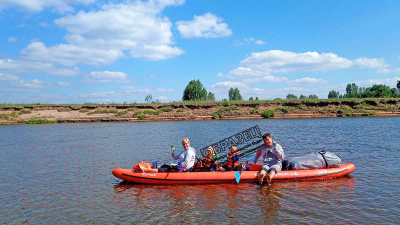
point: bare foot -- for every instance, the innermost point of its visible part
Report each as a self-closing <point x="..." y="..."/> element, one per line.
<point x="269" y="179"/>
<point x="261" y="179"/>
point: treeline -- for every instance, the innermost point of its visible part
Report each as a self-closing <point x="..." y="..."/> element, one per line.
<point x="376" y="91"/>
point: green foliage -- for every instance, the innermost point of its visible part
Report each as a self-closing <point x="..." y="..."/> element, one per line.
<point x="344" y="112"/>
<point x="132" y="109"/>
<point x="257" y="99"/>
<point x="255" y="110"/>
<point x="102" y="111"/>
<point x="112" y="111"/>
<point x="4" y="116"/>
<point x="251" y="99"/>
<point x="278" y="99"/>
<point x="291" y="96"/>
<point x="141" y="117"/>
<point x="180" y="110"/>
<point x="166" y="109"/>
<point x="65" y="109"/>
<point x="137" y="113"/>
<point x="398" y="85"/>
<point x="268" y="113"/>
<point x="149" y="98"/>
<point x="211" y="97"/>
<point x="224" y="100"/>
<point x="120" y="113"/>
<point x="284" y="109"/>
<point x="370" y="113"/>
<point x="84" y="110"/>
<point x="351" y="91"/>
<point x="313" y="97"/>
<point x="226" y="111"/>
<point x="215" y="116"/>
<point x="303" y="97"/>
<point x="234" y="95"/>
<point x="39" y="121"/>
<point x="301" y="106"/>
<point x="333" y="94"/>
<point x="25" y="111"/>
<point x="194" y="91"/>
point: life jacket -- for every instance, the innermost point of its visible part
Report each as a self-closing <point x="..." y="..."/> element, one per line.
<point x="229" y="162"/>
<point x="207" y="161"/>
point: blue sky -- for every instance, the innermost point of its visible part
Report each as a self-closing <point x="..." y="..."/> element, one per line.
<point x="77" y="51"/>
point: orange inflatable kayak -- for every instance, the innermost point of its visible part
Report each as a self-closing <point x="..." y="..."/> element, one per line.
<point x="152" y="176"/>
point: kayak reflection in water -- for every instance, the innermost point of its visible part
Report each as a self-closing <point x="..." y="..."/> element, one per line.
<point x="273" y="155"/>
<point x="186" y="157"/>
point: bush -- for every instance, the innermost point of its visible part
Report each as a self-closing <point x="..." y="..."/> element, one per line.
<point x="137" y="113"/>
<point x="84" y="110"/>
<point x="112" y="111"/>
<point x="268" y="113"/>
<point x="25" y="111"/>
<point x="4" y="116"/>
<point x="120" y="113"/>
<point x="284" y="109"/>
<point x="370" y="113"/>
<point x="141" y="117"/>
<point x="132" y="109"/>
<point x="39" y="122"/>
<point x="215" y="116"/>
<point x="166" y="109"/>
<point x="67" y="109"/>
<point x="344" y="111"/>
<point x="255" y="110"/>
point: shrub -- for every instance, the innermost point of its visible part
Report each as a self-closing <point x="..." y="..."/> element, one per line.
<point x="67" y="109"/>
<point x="112" y="111"/>
<point x="137" y="113"/>
<point x="370" y="113"/>
<point x="120" y="113"/>
<point x="268" y="113"/>
<point x="84" y="110"/>
<point x="344" y="111"/>
<point x="215" y="116"/>
<point x="284" y="109"/>
<point x="132" y="109"/>
<point x="25" y="111"/>
<point x="39" y="121"/>
<point x="141" y="117"/>
<point x="255" y="110"/>
<point x="149" y="112"/>
<point x="4" y="116"/>
<point x="166" y="109"/>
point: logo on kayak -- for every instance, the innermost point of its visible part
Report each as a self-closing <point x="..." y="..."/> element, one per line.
<point x="287" y="174"/>
<point x="148" y="174"/>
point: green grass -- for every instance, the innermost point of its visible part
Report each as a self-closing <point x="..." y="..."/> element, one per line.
<point x="39" y="122"/>
<point x="344" y="112"/>
<point x="268" y="113"/>
<point x="284" y="109"/>
<point x="66" y="109"/>
<point x="120" y="113"/>
<point x="137" y="113"/>
<point x="25" y="111"/>
<point x="226" y="111"/>
<point x="4" y="116"/>
<point x="370" y="113"/>
<point x="102" y="111"/>
<point x="84" y="110"/>
<point x="180" y="110"/>
<point x="141" y="117"/>
<point x="132" y="109"/>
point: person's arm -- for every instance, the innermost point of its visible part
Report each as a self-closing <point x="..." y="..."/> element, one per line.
<point x="175" y="156"/>
<point x="189" y="159"/>
<point x="257" y="156"/>
<point x="278" y="152"/>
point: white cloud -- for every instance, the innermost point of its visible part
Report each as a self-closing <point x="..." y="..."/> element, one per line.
<point x="151" y="76"/>
<point x="15" y="81"/>
<point x="137" y="90"/>
<point x="106" y="77"/>
<point x="164" y="90"/>
<point x="99" y="95"/>
<point x="162" y="98"/>
<point x="22" y="66"/>
<point x="133" y="25"/>
<point x="12" y="39"/>
<point x="277" y="61"/>
<point x="219" y="74"/>
<point x="35" y="6"/>
<point x="64" y="72"/>
<point x="388" y="71"/>
<point x="391" y="82"/>
<point x="228" y="84"/>
<point x="265" y="79"/>
<point x="206" y="26"/>
<point x="295" y="89"/>
<point x="259" y="42"/>
<point x="63" y="84"/>
<point x="8" y="77"/>
<point x="69" y="55"/>
<point x="306" y="81"/>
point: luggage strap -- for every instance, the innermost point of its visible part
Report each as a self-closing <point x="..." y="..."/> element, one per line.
<point x="322" y="154"/>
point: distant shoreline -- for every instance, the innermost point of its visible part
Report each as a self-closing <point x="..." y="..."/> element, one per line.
<point x="74" y="113"/>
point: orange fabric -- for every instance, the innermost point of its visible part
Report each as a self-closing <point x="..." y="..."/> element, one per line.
<point x="142" y="167"/>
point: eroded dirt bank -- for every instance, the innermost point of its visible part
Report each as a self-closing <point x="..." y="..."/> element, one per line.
<point x="33" y="114"/>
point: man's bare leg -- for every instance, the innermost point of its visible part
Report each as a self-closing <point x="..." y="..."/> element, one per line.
<point x="261" y="176"/>
<point x="270" y="176"/>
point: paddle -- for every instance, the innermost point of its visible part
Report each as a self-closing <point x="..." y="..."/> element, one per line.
<point x="237" y="174"/>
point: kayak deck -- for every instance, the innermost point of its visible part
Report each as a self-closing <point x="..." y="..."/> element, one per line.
<point x="251" y="176"/>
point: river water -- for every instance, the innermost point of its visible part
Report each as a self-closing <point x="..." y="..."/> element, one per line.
<point x="61" y="173"/>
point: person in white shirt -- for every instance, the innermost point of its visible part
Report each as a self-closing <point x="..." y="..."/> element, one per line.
<point x="186" y="157"/>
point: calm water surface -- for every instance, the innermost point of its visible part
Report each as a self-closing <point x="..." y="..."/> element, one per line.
<point x="69" y="180"/>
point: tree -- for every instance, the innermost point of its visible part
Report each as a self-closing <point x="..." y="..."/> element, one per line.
<point x="257" y="99"/>
<point x="291" y="96"/>
<point x="149" y="98"/>
<point x="224" y="100"/>
<point x="351" y="91"/>
<point x="380" y="91"/>
<point x="333" y="94"/>
<point x="303" y="97"/>
<point x="234" y="95"/>
<point x="194" y="91"/>
<point x="313" y="97"/>
<point x="251" y="99"/>
<point x="211" y="97"/>
<point x="395" y="93"/>
<point x="278" y="99"/>
<point x="398" y="85"/>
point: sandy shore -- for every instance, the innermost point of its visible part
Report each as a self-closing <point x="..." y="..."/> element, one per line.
<point x="176" y="112"/>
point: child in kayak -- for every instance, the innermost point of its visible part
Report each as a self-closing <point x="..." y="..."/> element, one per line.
<point x="232" y="162"/>
<point x="210" y="161"/>
<point x="273" y="155"/>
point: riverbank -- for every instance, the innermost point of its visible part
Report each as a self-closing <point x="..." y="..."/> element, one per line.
<point x="49" y="113"/>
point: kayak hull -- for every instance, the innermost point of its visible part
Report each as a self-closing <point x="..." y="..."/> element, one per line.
<point x="153" y="177"/>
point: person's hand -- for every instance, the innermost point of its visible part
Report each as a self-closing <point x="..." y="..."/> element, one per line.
<point x="173" y="148"/>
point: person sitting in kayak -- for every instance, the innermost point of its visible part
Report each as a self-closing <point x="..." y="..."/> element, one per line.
<point x="273" y="155"/>
<point x="186" y="158"/>
<point x="210" y="161"/>
<point x="232" y="162"/>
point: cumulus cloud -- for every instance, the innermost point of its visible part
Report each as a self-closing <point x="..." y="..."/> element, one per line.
<point x="12" y="39"/>
<point x="228" y="84"/>
<point x="22" y="66"/>
<point x="162" y="98"/>
<point x="249" y="41"/>
<point x="106" y="77"/>
<point x="219" y="74"/>
<point x="64" y="72"/>
<point x="259" y="42"/>
<point x="306" y="81"/>
<point x="265" y="79"/>
<point x="35" y="6"/>
<point x="206" y="26"/>
<point x="15" y="81"/>
<point x="277" y="61"/>
<point x="63" y="84"/>
<point x="69" y="55"/>
<point x="388" y="71"/>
